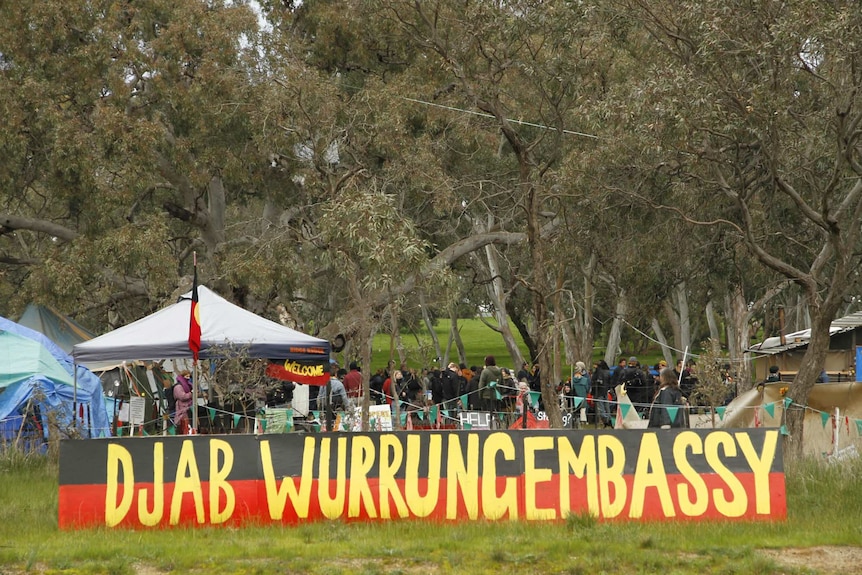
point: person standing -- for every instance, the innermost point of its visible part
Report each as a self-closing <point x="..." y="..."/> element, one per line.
<point x="353" y="382"/>
<point x="183" y="397"/>
<point x="668" y="396"/>
<point x="601" y="382"/>
<point x="491" y="374"/>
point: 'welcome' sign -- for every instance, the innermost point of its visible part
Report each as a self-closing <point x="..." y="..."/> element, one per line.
<point x="444" y="476"/>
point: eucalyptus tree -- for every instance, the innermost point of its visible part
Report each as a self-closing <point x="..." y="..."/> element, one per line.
<point x="127" y="147"/>
<point x="759" y="116"/>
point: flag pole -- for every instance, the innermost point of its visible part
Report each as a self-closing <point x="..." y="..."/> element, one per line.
<point x="195" y="397"/>
<point x="194" y="342"/>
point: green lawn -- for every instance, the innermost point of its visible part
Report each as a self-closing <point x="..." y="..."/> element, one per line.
<point x="479" y="341"/>
<point x="823" y="510"/>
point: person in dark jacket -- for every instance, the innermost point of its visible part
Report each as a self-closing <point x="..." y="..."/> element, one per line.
<point x="669" y="408"/>
<point x="601" y="381"/>
<point x="639" y="390"/>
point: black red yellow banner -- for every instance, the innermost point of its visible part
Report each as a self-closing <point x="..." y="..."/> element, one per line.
<point x="444" y="476"/>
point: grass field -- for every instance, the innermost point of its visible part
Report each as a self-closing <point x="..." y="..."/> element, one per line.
<point x="479" y="341"/>
<point x="823" y="525"/>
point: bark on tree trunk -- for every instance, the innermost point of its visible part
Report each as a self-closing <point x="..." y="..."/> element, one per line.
<point x="613" y="348"/>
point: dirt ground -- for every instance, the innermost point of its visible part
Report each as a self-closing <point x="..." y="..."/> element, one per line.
<point x="831" y="560"/>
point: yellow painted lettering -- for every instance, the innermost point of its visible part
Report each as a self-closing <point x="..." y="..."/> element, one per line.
<point x="494" y="506"/>
<point x="737" y="504"/>
<point x="188" y="480"/>
<point x="391" y="457"/>
<point x="462" y="475"/>
<point x="649" y="472"/>
<point x="582" y="464"/>
<point x="361" y="461"/>
<point x="611" y="456"/>
<point x="332" y="506"/>
<point x="760" y="465"/>
<point x="220" y="449"/>
<point x="533" y="476"/>
<point x="696" y="506"/>
<point x="145" y="516"/>
<point x="276" y="496"/>
<point x="423" y="506"/>
<point x="118" y="457"/>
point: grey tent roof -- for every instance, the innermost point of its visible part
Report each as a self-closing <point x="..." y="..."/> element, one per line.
<point x="164" y="335"/>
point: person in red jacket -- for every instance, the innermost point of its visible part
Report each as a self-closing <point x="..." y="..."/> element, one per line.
<point x="353" y="382"/>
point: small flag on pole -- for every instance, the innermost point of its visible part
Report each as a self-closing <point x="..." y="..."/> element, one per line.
<point x="194" y="319"/>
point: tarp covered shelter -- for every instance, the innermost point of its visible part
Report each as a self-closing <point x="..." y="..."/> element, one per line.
<point x="225" y="327"/>
<point x="36" y="376"/>
<point x="62" y="330"/>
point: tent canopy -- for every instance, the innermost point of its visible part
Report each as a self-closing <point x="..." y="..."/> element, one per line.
<point x="224" y="326"/>
<point x="62" y="330"/>
<point x="30" y="362"/>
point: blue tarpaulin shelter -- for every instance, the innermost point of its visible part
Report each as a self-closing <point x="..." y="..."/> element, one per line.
<point x="38" y="380"/>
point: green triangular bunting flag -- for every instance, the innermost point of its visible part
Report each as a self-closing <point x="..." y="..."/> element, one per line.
<point x="784" y="431"/>
<point x="787" y="402"/>
<point x="501" y="416"/>
<point x="172" y="430"/>
<point x="263" y="424"/>
<point x="824" y="417"/>
<point x="671" y="412"/>
<point x="720" y="411"/>
<point x="770" y="409"/>
<point x="625" y="407"/>
<point x="468" y="425"/>
<point x="859" y="426"/>
<point x="613" y="421"/>
<point x="421" y="415"/>
<point x="499" y="395"/>
<point x="445" y="414"/>
<point x="434" y="411"/>
<point x="403" y="417"/>
<point x="464" y="401"/>
<point x="578" y="401"/>
<point x="211" y="412"/>
<point x="236" y="417"/>
<point x="535" y="396"/>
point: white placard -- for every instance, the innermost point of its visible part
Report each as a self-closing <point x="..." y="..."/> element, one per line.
<point x="381" y="417"/>
<point x="476" y="419"/>
<point x="300" y="399"/>
<point x="137" y="409"/>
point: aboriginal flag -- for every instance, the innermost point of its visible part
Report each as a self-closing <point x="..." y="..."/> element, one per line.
<point x="195" y="320"/>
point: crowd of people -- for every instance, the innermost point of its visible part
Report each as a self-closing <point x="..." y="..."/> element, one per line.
<point x="490" y="388"/>
<point x="498" y="389"/>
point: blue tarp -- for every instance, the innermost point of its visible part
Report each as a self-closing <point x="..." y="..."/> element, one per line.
<point x="36" y="373"/>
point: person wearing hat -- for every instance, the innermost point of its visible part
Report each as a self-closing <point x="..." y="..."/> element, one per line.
<point x="774" y="374"/>
<point x="581" y="387"/>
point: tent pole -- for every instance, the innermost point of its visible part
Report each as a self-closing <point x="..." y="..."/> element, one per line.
<point x="195" y="398"/>
<point x="75" y="396"/>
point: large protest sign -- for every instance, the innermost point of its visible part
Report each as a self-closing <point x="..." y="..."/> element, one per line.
<point x="448" y="476"/>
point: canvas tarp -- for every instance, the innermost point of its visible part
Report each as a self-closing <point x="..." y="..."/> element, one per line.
<point x="34" y="371"/>
<point x="224" y="327"/>
<point x="62" y="330"/>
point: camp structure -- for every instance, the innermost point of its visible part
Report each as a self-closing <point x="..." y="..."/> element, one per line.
<point x="225" y="327"/>
<point x="786" y="351"/>
<point x="40" y="391"/>
<point x="62" y="330"/>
